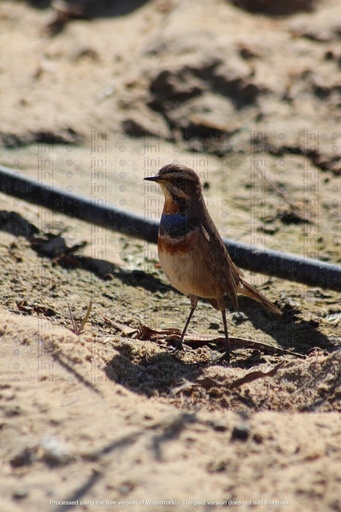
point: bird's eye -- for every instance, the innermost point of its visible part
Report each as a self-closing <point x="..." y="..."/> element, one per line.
<point x="180" y="182"/>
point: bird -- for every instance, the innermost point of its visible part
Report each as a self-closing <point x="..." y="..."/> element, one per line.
<point x="191" y="251"/>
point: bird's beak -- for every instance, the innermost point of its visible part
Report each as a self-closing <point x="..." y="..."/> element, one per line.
<point x="152" y="178"/>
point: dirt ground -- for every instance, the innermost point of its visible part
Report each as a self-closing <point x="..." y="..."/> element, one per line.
<point x="102" y="415"/>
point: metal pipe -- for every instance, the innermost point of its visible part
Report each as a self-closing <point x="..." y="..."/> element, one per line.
<point x="273" y="263"/>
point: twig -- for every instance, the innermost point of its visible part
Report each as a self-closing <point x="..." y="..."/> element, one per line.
<point x="80" y="329"/>
<point x="146" y="333"/>
<point x="296" y="210"/>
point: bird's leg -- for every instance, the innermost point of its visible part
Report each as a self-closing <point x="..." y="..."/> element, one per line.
<point x="226" y="355"/>
<point x="194" y="302"/>
<point x="219" y="304"/>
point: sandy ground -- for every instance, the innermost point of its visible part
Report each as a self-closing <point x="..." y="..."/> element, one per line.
<point x="103" y="416"/>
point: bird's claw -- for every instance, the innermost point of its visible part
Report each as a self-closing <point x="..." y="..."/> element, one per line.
<point x="225" y="357"/>
<point x="178" y="347"/>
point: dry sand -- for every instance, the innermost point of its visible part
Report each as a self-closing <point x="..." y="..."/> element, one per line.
<point x="102" y="417"/>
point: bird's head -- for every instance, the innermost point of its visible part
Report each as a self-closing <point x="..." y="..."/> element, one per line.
<point x="178" y="182"/>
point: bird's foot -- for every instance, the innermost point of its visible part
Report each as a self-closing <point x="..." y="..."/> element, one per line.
<point x="177" y="348"/>
<point x="224" y="358"/>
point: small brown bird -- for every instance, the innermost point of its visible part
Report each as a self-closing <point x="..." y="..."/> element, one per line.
<point x="191" y="251"/>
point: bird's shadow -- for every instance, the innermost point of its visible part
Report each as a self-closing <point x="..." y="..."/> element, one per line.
<point x="152" y="375"/>
<point x="289" y="330"/>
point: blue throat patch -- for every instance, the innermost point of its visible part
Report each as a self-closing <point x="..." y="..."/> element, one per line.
<point x="175" y="224"/>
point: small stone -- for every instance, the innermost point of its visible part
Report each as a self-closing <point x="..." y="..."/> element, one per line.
<point x="258" y="438"/>
<point x="219" y="427"/>
<point x="240" y="433"/>
<point x="20" y="494"/>
<point x="24" y="458"/>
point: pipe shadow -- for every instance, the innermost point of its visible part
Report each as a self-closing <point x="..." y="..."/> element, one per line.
<point x="54" y="247"/>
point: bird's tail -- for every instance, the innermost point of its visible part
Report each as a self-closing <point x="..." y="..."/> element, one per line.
<point x="246" y="289"/>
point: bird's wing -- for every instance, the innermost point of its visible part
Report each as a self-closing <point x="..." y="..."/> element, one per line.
<point x="219" y="260"/>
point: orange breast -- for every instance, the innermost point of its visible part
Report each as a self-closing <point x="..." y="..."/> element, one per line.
<point x="170" y="245"/>
<point x="170" y="206"/>
<point x="186" y="267"/>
